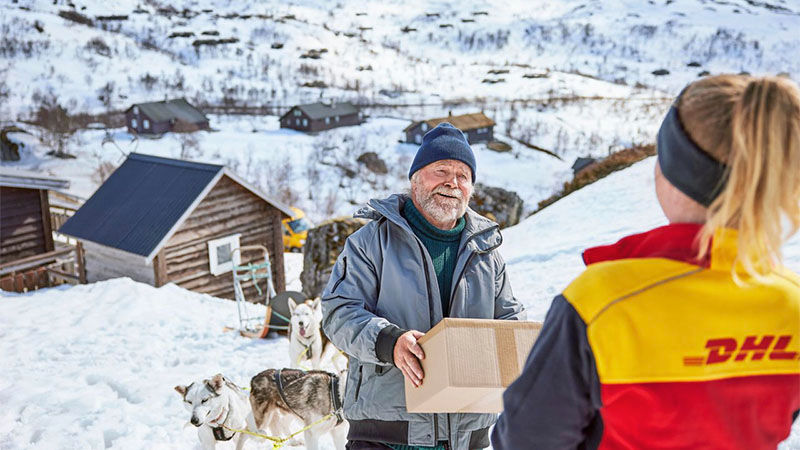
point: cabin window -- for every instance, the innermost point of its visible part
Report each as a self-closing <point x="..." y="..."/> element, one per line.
<point x="297" y="122"/>
<point x="327" y="121"/>
<point x="146" y="124"/>
<point x="305" y="122"/>
<point x="418" y="139"/>
<point x="337" y="119"/>
<point x="424" y="126"/>
<point x="134" y="124"/>
<point x="136" y="110"/>
<point x="297" y="113"/>
<point x="222" y="254"/>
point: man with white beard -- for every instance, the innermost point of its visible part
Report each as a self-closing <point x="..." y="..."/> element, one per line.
<point x="423" y="257"/>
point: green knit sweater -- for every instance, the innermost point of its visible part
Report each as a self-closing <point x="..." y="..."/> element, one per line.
<point x="442" y="245"/>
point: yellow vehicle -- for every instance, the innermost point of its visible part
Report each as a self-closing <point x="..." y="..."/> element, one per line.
<point x="295" y="231"/>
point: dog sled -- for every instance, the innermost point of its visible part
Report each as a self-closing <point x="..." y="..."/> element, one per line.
<point x="260" y="274"/>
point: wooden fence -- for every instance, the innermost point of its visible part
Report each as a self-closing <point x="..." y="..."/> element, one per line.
<point x="64" y="265"/>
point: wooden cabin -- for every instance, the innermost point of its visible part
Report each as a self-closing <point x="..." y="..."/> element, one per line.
<point x="476" y="127"/>
<point x="160" y="220"/>
<point x="316" y="117"/>
<point x="582" y="163"/>
<point x="156" y="118"/>
<point x="29" y="258"/>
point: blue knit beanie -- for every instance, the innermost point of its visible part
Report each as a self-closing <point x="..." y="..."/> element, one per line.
<point x="443" y="142"/>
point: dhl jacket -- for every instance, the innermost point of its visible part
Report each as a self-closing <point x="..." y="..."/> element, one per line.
<point x="652" y="348"/>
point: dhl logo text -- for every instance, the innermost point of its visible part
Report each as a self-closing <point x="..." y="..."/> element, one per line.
<point x="757" y="348"/>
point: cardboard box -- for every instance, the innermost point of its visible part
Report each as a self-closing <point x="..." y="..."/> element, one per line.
<point x="469" y="363"/>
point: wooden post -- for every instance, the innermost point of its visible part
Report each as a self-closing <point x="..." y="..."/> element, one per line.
<point x="80" y="262"/>
<point x="276" y="252"/>
<point x="160" y="268"/>
<point x="44" y="204"/>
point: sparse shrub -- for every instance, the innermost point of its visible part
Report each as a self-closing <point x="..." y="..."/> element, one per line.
<point x="56" y="126"/>
<point x="76" y="17"/>
<point x="99" y="46"/>
<point x="190" y="146"/>
<point x="148" y="81"/>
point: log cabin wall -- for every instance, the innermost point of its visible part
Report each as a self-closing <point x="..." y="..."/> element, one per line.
<point x="24" y="223"/>
<point x="227" y="209"/>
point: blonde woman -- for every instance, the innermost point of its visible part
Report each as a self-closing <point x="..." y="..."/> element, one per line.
<point x="686" y="336"/>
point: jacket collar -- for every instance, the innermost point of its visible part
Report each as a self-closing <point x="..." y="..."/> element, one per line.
<point x="483" y="232"/>
<point x="675" y="241"/>
<point x="678" y="242"/>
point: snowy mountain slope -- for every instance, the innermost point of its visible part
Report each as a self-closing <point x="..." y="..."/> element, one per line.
<point x="417" y="49"/>
<point x="572" y="76"/>
<point x="513" y="61"/>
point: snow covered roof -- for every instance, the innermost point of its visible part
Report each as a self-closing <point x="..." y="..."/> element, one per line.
<point x="11" y="177"/>
<point x="178" y="109"/>
<point x="322" y="110"/>
<point x="145" y="201"/>
<point x="463" y="122"/>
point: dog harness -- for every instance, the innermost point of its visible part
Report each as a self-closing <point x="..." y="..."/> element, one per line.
<point x="219" y="433"/>
<point x="336" y="402"/>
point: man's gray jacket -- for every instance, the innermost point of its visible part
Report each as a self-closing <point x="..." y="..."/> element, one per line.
<point x="382" y="284"/>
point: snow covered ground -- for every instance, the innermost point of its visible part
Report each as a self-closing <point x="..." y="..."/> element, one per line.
<point x="94" y="366"/>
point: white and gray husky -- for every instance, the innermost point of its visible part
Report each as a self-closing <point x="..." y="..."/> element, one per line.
<point x="309" y="348"/>
<point x="276" y="395"/>
<point x="217" y="404"/>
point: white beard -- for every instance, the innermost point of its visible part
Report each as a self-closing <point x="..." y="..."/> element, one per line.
<point x="440" y="208"/>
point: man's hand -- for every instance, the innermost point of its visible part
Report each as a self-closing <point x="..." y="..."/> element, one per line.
<point x="406" y="354"/>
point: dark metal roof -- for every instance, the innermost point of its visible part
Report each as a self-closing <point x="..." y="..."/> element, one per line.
<point x="320" y="110"/>
<point x="166" y="110"/>
<point x="140" y="203"/>
<point x="581" y="163"/>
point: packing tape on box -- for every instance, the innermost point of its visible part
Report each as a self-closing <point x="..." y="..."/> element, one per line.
<point x="506" y="340"/>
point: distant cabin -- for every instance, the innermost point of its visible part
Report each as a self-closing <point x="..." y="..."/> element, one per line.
<point x="477" y="127"/>
<point x="321" y="116"/>
<point x="160" y="117"/>
<point x="159" y="220"/>
<point x="582" y="163"/>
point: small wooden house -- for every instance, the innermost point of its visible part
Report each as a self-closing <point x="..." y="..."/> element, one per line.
<point x="29" y="257"/>
<point x="321" y="116"/>
<point x="477" y="127"/>
<point x="159" y="220"/>
<point x="581" y="163"/>
<point x="157" y="118"/>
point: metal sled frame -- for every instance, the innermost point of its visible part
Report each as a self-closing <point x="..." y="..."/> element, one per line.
<point x="255" y="273"/>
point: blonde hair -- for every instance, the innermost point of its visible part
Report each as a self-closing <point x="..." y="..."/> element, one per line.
<point x="753" y="126"/>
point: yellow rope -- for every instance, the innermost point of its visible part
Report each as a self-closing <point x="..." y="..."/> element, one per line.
<point x="280" y="442"/>
<point x="300" y="358"/>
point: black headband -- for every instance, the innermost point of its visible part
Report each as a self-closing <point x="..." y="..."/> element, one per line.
<point x="685" y="165"/>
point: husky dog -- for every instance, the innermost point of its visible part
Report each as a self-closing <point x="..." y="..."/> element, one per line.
<point x="309" y="396"/>
<point x="307" y="343"/>
<point x="215" y="404"/>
